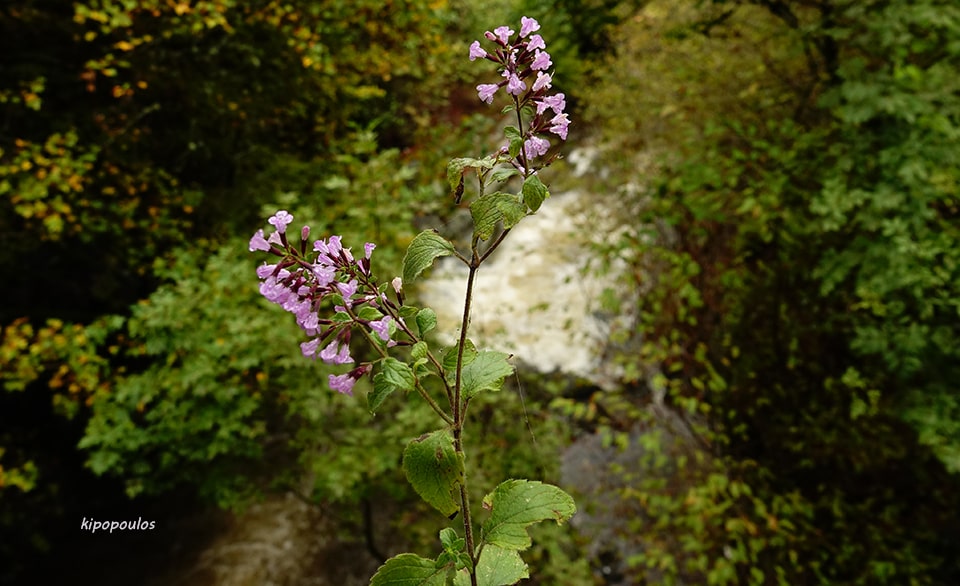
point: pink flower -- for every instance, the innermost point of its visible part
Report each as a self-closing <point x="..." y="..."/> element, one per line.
<point x="527" y="26"/>
<point x="347" y="289"/>
<point x="258" y="242"/>
<point x="281" y="220"/>
<point x="541" y="60"/>
<point x="535" y="146"/>
<point x="536" y="42"/>
<point x="503" y="34"/>
<point x="543" y="81"/>
<point x="265" y="270"/>
<point x="515" y="86"/>
<point x="556" y="102"/>
<point x="309" y="349"/>
<point x="275" y="291"/>
<point x="333" y="246"/>
<point x="382" y="327"/>
<point x="368" y="249"/>
<point x="476" y="52"/>
<point x="486" y="91"/>
<point x="309" y="320"/>
<point x="342" y="383"/>
<point x="324" y="274"/>
<point x="335" y="353"/>
<point x="559" y="125"/>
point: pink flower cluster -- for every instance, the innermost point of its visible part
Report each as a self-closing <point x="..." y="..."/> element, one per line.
<point x="524" y="59"/>
<point x="299" y="282"/>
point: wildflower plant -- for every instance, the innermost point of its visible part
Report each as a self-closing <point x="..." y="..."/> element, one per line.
<point x="335" y="297"/>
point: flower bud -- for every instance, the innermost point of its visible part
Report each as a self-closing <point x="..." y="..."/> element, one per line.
<point x="397" y="283"/>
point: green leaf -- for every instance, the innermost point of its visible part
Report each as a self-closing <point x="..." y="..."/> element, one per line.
<point x="502" y="174"/>
<point x="497" y="567"/>
<point x="456" y="167"/>
<point x="381" y="390"/>
<point x="513" y="211"/>
<point x="435" y="471"/>
<point x="408" y="311"/>
<point x="534" y="192"/>
<point x="450" y="358"/>
<point x="419" y="350"/>
<point x="516" y="141"/>
<point x="449" y="539"/>
<point x="485" y="373"/>
<point x="408" y="569"/>
<point x="426" y="320"/>
<point x="426" y="246"/>
<point x="517" y="504"/>
<point x="393" y="376"/>
<point x="398" y="374"/>
<point x="486" y="212"/>
<point x="369" y="313"/>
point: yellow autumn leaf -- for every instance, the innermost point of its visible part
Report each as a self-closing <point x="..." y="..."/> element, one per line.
<point x="75" y="182"/>
<point x="181" y="8"/>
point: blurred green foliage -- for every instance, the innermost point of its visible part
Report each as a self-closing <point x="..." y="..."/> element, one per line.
<point x="799" y="308"/>
<point x="795" y="165"/>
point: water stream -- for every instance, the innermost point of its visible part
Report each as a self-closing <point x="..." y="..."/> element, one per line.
<point x="533" y="296"/>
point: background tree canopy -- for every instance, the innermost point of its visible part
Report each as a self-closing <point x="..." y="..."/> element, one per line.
<point x="787" y="178"/>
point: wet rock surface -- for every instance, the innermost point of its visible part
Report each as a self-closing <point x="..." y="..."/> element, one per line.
<point x="282" y="541"/>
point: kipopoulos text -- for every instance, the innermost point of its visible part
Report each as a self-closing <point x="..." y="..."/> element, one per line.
<point x="111" y="526"/>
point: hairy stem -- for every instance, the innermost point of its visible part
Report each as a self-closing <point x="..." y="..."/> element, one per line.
<point x="459" y="413"/>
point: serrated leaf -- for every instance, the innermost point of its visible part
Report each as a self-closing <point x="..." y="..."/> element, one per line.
<point x="381" y="390"/>
<point x="496" y="567"/>
<point x="485" y="373"/>
<point x="534" y="192"/>
<point x="408" y="569"/>
<point x="398" y="374"/>
<point x="502" y="174"/>
<point x="513" y="211"/>
<point x="425" y="248"/>
<point x="341" y="317"/>
<point x="434" y="470"/>
<point x="419" y="350"/>
<point x="448" y="537"/>
<point x="456" y="167"/>
<point x="517" y="504"/>
<point x="426" y="320"/>
<point x="369" y="313"/>
<point x="486" y="213"/>
<point x="450" y="358"/>
<point x="514" y="139"/>
<point x="408" y="311"/>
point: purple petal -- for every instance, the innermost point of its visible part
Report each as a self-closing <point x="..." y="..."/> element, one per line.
<point x="476" y="52"/>
<point x="258" y="242"/>
<point x="528" y="25"/>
